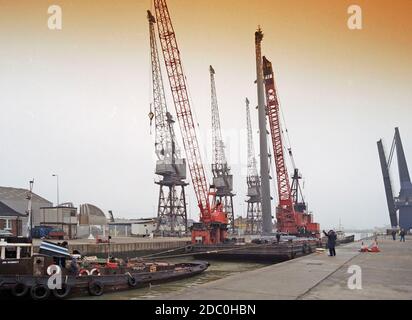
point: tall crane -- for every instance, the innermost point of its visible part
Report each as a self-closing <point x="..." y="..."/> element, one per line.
<point x="264" y="154"/>
<point x="291" y="213"/>
<point x="212" y="227"/>
<point x="254" y="206"/>
<point x="171" y="212"/>
<point x="222" y="178"/>
<point x="403" y="202"/>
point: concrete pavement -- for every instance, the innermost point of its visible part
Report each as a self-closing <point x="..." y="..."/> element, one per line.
<point x="385" y="275"/>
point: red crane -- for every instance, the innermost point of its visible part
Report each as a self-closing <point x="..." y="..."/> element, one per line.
<point x="213" y="221"/>
<point x="291" y="216"/>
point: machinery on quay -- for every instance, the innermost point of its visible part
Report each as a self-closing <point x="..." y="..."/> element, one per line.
<point x="222" y="177"/>
<point x="212" y="228"/>
<point x="291" y="212"/>
<point x="171" y="212"/>
<point x="254" y="206"/>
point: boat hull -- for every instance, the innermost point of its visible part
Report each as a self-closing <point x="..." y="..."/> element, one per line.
<point x="98" y="285"/>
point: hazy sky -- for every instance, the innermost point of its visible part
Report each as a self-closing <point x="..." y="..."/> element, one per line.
<point x="75" y="101"/>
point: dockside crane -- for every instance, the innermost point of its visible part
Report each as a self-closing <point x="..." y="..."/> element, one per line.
<point x="171" y="213"/>
<point x="402" y="204"/>
<point x="291" y="213"/>
<point x="254" y="206"/>
<point x="222" y="177"/>
<point x="212" y="228"/>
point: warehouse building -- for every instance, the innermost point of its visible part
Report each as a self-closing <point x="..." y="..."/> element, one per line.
<point x="16" y="199"/>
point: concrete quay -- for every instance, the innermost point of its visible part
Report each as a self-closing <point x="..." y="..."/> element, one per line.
<point x="122" y="246"/>
<point x="385" y="275"/>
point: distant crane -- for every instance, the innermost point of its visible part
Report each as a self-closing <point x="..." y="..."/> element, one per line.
<point x="171" y="213"/>
<point x="254" y="206"/>
<point x="111" y="216"/>
<point x="402" y="203"/>
<point x="222" y="178"/>
<point x="212" y="228"/>
<point x="291" y="213"/>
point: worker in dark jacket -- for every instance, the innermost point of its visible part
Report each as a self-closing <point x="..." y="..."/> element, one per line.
<point x="331" y="235"/>
<point x="402" y="234"/>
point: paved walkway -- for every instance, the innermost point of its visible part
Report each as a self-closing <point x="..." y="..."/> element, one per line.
<point x="385" y="275"/>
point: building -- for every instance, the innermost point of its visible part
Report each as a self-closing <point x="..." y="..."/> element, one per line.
<point x="92" y="221"/>
<point x="16" y="199"/>
<point x="120" y="228"/>
<point x="133" y="227"/>
<point x="144" y="227"/>
<point x="61" y="217"/>
<point x="11" y="220"/>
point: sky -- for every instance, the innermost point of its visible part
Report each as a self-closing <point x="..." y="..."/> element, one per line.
<point x="75" y="101"/>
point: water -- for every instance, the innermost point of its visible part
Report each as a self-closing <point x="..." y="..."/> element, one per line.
<point x="360" y="236"/>
<point x="216" y="270"/>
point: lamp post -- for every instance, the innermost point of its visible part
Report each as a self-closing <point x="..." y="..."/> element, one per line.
<point x="57" y="184"/>
<point x="29" y="210"/>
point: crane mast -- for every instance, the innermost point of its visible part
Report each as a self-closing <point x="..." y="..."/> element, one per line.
<point x="171" y="213"/>
<point x="264" y="154"/>
<point x="254" y="207"/>
<point x="212" y="227"/>
<point x="222" y="178"/>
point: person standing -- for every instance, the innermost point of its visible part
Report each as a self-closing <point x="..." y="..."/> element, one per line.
<point x="278" y="237"/>
<point x="331" y="235"/>
<point x="394" y="235"/>
<point x="402" y="234"/>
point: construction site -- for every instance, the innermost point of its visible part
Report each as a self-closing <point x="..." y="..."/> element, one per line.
<point x="260" y="240"/>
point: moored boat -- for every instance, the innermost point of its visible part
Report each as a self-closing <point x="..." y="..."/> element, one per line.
<point x="27" y="275"/>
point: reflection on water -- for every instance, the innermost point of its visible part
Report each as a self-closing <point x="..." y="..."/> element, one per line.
<point x="216" y="270"/>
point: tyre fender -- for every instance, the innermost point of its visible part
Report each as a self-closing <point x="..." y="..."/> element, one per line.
<point x="63" y="292"/>
<point x="40" y="292"/>
<point x="20" y="289"/>
<point x="96" y="288"/>
<point x="132" y="282"/>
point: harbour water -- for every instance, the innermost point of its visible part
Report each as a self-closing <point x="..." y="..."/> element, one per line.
<point x="216" y="270"/>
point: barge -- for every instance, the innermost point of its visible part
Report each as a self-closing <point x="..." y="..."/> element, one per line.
<point x="35" y="276"/>
<point x="260" y="250"/>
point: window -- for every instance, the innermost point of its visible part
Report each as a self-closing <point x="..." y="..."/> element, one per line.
<point x="8" y="224"/>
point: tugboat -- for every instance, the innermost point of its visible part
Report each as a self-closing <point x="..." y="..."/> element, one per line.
<point x="24" y="274"/>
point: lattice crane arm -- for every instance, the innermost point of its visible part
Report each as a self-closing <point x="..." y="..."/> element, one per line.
<point x="178" y="85"/>
<point x="219" y="158"/>
<point x="166" y="146"/>
<point x="284" y="190"/>
<point x="251" y="163"/>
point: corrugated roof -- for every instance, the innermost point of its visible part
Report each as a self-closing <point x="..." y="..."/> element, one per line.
<point x="6" y="211"/>
<point x="8" y="193"/>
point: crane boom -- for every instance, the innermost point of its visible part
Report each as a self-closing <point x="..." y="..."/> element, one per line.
<point x="286" y="212"/>
<point x="219" y="158"/>
<point x="181" y="101"/>
<point x="251" y="163"/>
<point x="164" y="144"/>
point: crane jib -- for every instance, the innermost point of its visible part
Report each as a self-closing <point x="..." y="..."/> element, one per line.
<point x="180" y="96"/>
